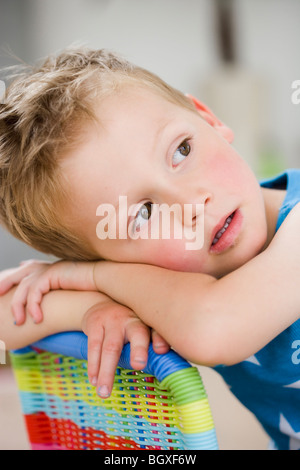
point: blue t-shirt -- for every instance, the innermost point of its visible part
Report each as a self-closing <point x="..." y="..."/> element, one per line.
<point x="268" y="383"/>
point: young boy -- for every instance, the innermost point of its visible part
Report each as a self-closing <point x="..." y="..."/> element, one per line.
<point x="88" y="128"/>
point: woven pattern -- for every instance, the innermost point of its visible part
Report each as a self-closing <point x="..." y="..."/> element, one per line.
<point x="63" y="411"/>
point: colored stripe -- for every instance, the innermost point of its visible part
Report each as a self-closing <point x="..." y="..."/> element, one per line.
<point x="185" y="385"/>
<point x="196" y="417"/>
<point x="193" y="418"/>
<point x="201" y="441"/>
<point x="66" y="434"/>
<point x="100" y="418"/>
<point x="153" y="405"/>
<point x="62" y="434"/>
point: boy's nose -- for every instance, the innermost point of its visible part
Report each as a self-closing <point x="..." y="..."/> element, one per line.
<point x="192" y="202"/>
<point x="192" y="213"/>
<point x="189" y="195"/>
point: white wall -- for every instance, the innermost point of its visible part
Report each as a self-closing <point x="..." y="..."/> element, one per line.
<point x="270" y="45"/>
<point x="171" y="37"/>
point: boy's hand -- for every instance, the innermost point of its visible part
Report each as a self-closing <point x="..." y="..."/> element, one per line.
<point x="22" y="276"/>
<point x="36" y="279"/>
<point x="109" y="326"/>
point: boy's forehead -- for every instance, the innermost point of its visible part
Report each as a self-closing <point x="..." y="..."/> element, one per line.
<point x="129" y="113"/>
<point x="125" y="117"/>
<point x="131" y="102"/>
<point x="136" y="110"/>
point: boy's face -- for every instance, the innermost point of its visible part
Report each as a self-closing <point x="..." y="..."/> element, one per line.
<point x="153" y="153"/>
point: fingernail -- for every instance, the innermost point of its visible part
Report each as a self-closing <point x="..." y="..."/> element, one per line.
<point x="93" y="381"/>
<point x="140" y="361"/>
<point x="103" y="391"/>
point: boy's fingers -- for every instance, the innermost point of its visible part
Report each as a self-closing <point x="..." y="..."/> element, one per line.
<point x="18" y="303"/>
<point x="14" y="276"/>
<point x="40" y="286"/>
<point x="11" y="277"/>
<point x="28" y="261"/>
<point x="95" y="340"/>
<point x="160" y="345"/>
<point x="34" y="299"/>
<point x="110" y="355"/>
<point x="26" y="298"/>
<point x="138" y="335"/>
<point x="5" y="281"/>
<point x="18" y="312"/>
<point x="35" y="262"/>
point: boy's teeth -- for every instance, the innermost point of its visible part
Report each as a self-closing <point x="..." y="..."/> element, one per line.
<point x="220" y="232"/>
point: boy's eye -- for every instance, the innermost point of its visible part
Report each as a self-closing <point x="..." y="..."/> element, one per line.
<point x="181" y="153"/>
<point x="143" y="215"/>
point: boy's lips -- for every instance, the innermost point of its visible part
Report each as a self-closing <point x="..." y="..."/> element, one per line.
<point x="226" y="232"/>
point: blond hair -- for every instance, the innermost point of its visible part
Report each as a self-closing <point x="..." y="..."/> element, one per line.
<point x="39" y="122"/>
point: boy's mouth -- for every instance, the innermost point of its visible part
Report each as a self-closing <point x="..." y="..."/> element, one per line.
<point x="226" y="232"/>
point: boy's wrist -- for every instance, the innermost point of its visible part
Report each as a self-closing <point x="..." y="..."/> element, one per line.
<point x="100" y="273"/>
<point x="95" y="264"/>
<point x="103" y="300"/>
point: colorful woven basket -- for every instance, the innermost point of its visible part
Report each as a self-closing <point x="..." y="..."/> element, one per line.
<point x="163" y="407"/>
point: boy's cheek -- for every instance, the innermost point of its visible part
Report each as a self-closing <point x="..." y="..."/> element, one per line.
<point x="228" y="173"/>
<point x="173" y="254"/>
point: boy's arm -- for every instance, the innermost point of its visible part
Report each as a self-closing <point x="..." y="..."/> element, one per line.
<point x="63" y="310"/>
<point x="213" y="321"/>
<point x="107" y="325"/>
<point x="206" y="320"/>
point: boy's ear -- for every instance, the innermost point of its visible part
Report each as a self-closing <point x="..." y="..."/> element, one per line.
<point x="212" y="119"/>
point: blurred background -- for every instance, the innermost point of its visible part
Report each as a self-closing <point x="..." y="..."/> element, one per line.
<point x="238" y="56"/>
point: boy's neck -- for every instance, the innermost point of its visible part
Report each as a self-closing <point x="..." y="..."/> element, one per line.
<point x="273" y="199"/>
